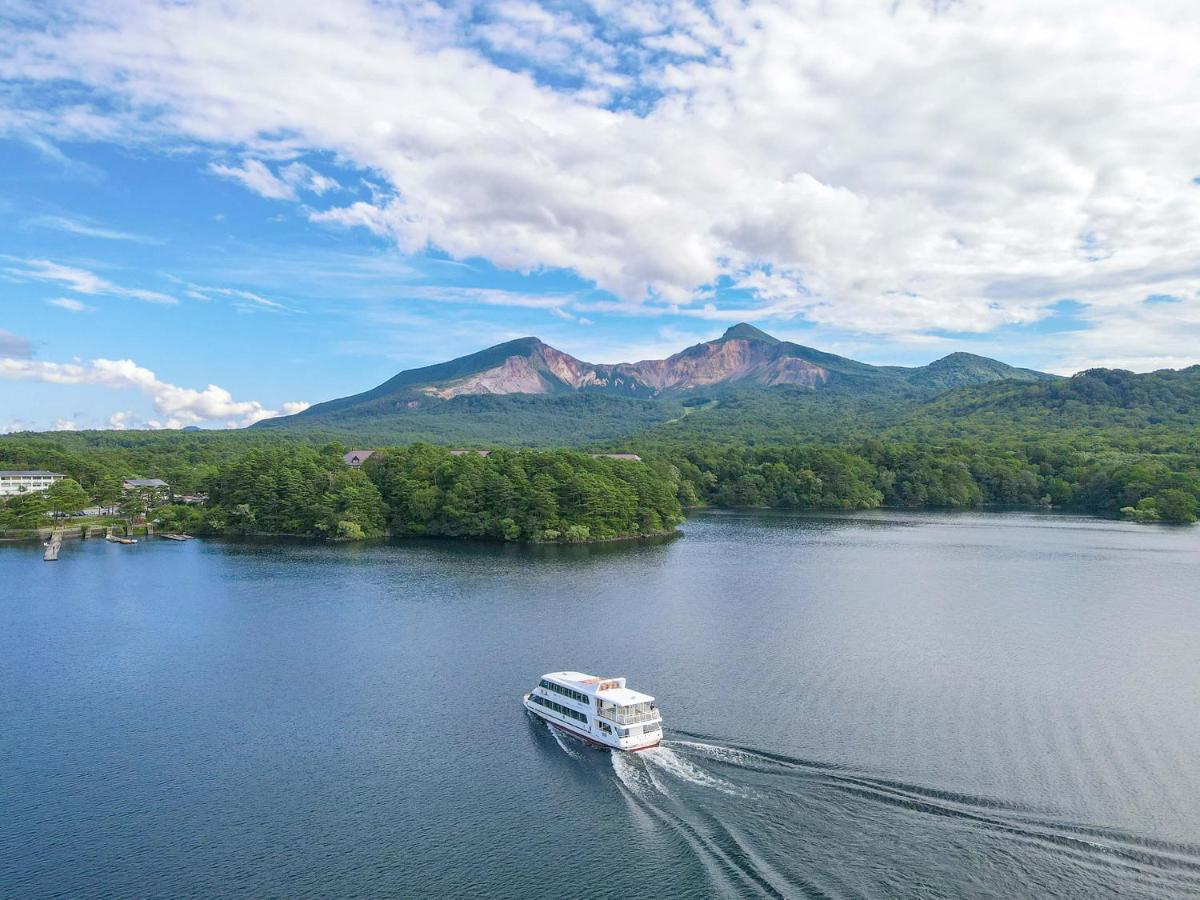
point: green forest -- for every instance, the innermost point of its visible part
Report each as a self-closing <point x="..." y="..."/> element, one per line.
<point x="1107" y="442"/>
<point x="286" y="487"/>
<point x="272" y="483"/>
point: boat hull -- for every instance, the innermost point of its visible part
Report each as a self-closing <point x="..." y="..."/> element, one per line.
<point x="590" y="739"/>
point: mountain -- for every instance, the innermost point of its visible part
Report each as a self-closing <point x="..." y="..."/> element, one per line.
<point x="526" y="391"/>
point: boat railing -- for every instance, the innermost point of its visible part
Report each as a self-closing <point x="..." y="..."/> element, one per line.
<point x="628" y="718"/>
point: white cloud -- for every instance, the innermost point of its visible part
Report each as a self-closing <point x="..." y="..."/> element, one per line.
<point x="244" y="300"/>
<point x="487" y="297"/>
<point x="258" y="177"/>
<point x="89" y="229"/>
<point x="64" y="425"/>
<point x="119" y="421"/>
<point x="358" y="214"/>
<point x="882" y="167"/>
<point x="14" y="345"/>
<point x="178" y="406"/>
<point x="1130" y="337"/>
<point x="69" y="304"/>
<point x="81" y="281"/>
<point x="302" y="177"/>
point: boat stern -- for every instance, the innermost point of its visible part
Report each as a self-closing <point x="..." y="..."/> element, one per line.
<point x="650" y="736"/>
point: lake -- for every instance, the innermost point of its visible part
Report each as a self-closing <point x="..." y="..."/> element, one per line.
<point x="875" y="704"/>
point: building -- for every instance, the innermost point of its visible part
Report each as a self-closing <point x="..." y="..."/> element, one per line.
<point x="356" y="458"/>
<point x="19" y="482"/>
<point x="465" y="452"/>
<point x="145" y="484"/>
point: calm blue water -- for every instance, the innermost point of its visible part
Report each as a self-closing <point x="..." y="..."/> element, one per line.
<point x="869" y="705"/>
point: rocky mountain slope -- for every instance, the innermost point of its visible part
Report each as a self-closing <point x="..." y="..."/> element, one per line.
<point x="474" y="396"/>
<point x="743" y="355"/>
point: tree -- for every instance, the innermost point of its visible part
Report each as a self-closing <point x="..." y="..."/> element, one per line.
<point x="1177" y="506"/>
<point x="349" y="531"/>
<point x="355" y="509"/>
<point x="1145" y="511"/>
<point x="107" y="491"/>
<point x="24" y="510"/>
<point x="64" y="498"/>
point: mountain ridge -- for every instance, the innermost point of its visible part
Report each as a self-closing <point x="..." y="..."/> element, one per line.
<point x="528" y="365"/>
<point x="531" y="373"/>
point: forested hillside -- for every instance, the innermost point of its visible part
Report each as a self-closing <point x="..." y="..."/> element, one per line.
<point x="1104" y="441"/>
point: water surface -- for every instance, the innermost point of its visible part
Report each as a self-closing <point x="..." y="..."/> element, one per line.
<point x="880" y="704"/>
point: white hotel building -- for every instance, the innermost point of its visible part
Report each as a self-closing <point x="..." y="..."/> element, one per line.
<point x="20" y="482"/>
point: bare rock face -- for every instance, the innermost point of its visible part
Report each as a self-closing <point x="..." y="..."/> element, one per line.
<point x="570" y="370"/>
<point x="516" y="375"/>
<point x="540" y="369"/>
<point x="725" y="362"/>
<point x="793" y="371"/>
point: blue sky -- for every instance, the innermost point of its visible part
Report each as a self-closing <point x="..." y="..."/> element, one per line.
<point x="211" y="214"/>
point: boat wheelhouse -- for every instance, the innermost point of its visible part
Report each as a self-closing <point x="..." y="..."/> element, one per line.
<point x="602" y="711"/>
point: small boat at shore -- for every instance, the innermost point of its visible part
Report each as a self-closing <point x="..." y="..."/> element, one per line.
<point x="176" y="537"/>
<point x="601" y="711"/>
<point x="113" y="539"/>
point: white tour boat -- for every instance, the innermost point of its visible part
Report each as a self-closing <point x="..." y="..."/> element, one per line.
<point x="602" y="711"/>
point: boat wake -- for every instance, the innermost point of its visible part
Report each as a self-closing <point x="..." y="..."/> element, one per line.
<point x="563" y="741"/>
<point x="763" y="824"/>
<point x="569" y="745"/>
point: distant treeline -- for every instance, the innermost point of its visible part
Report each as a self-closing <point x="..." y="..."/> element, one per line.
<point x="957" y="474"/>
<point x="277" y="484"/>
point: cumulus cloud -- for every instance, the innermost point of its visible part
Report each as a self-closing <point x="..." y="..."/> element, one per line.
<point x="886" y="167"/>
<point x="178" y="406"/>
<point x="81" y="281"/>
<point x="123" y="419"/>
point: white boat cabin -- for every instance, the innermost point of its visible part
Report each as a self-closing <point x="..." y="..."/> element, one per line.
<point x="601" y="710"/>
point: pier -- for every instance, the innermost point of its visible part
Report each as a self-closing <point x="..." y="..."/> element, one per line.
<point x="53" y="546"/>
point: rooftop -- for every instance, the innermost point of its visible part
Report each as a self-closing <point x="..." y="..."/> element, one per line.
<point x="581" y="679"/>
<point x="605" y="688"/>
<point x="17" y="473"/>
<point x="624" y="696"/>
<point x="145" y="482"/>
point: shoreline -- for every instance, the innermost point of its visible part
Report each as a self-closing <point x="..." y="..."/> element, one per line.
<point x="74" y="532"/>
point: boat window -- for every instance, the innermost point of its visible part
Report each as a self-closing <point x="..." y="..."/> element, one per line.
<point x="577" y="696"/>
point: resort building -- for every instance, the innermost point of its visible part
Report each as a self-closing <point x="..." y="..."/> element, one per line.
<point x="356" y="458"/>
<point x="19" y="482"/>
<point x="145" y="484"/>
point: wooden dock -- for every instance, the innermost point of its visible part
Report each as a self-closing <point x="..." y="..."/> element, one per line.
<point x="53" y="546"/>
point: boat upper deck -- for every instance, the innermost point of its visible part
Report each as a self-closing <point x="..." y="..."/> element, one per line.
<point x="612" y="690"/>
